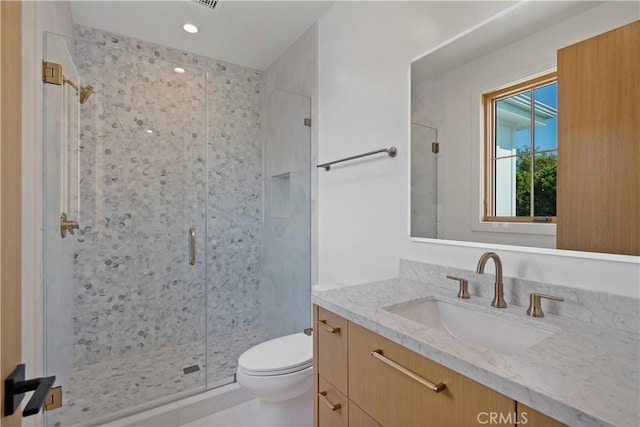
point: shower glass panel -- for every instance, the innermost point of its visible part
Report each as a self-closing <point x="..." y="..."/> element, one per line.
<point x="260" y="274"/>
<point x="125" y="309"/>
<point x="60" y="196"/>
<point x="424" y="182"/>
<point x="191" y="187"/>
<point x="286" y="290"/>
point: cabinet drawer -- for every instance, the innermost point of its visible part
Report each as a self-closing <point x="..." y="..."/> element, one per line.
<point x="332" y="333"/>
<point x="333" y="406"/>
<point x="390" y="387"/>
<point x="531" y="417"/>
<point x="359" y="418"/>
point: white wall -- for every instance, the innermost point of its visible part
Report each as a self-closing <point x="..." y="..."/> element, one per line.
<point x="365" y="50"/>
<point x="37" y="17"/>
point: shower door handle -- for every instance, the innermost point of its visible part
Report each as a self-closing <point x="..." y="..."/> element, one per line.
<point x="192" y="246"/>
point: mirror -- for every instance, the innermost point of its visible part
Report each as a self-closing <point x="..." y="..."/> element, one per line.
<point x="447" y="87"/>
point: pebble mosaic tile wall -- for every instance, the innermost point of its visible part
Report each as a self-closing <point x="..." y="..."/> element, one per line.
<point x="161" y="152"/>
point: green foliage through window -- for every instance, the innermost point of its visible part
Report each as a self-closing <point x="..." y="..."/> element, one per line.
<point x="523" y="146"/>
<point x="544" y="185"/>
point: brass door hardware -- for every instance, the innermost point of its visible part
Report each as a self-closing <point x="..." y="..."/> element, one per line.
<point x="67" y="225"/>
<point x="192" y="246"/>
<point x="535" y="308"/>
<point x="54" y="399"/>
<point x="463" y="290"/>
<point x="307" y="122"/>
<point x="433" y="387"/>
<point x="333" y="406"/>
<point x="52" y="73"/>
<point x="435" y="147"/>
<point x="328" y="327"/>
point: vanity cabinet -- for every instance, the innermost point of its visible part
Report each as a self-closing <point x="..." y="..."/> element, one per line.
<point x="331" y="405"/>
<point x="535" y="418"/>
<point x="388" y="385"/>
<point x="363" y="379"/>
<point x="331" y="330"/>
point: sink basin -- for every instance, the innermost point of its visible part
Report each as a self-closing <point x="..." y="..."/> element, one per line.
<point x="472" y="326"/>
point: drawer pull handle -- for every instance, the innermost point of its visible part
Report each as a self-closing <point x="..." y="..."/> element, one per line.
<point x="329" y="328"/>
<point x="434" y="387"/>
<point x="333" y="406"/>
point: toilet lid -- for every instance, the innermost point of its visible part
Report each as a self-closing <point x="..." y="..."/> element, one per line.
<point x="278" y="356"/>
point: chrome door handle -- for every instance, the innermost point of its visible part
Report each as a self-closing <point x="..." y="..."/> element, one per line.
<point x="192" y="246"/>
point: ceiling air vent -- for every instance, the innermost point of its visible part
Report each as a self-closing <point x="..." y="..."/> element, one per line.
<point x="211" y="4"/>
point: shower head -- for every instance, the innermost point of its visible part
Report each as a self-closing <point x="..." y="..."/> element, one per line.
<point x="85" y="91"/>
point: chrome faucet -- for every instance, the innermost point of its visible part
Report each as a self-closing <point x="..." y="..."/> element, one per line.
<point x="498" y="298"/>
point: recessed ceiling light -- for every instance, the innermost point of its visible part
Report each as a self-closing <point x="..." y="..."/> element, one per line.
<point x="190" y="28"/>
<point x="149" y="131"/>
<point x="179" y="70"/>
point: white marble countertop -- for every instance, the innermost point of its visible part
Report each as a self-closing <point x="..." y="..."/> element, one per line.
<point x="583" y="375"/>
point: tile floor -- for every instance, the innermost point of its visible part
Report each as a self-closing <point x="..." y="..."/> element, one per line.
<point x="244" y="414"/>
<point x="107" y="388"/>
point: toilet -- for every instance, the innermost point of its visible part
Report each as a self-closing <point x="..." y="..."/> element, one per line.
<point x="279" y="374"/>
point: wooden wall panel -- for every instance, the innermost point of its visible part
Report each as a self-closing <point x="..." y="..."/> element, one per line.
<point x="598" y="143"/>
<point x="10" y="200"/>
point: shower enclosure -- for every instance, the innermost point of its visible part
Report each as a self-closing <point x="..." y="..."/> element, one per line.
<point x="426" y="182"/>
<point x="194" y="223"/>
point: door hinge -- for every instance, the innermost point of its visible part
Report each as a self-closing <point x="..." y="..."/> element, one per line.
<point x="51" y="73"/>
<point x="54" y="399"/>
<point x="307" y="122"/>
<point x="435" y="147"/>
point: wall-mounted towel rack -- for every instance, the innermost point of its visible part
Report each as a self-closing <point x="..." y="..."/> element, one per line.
<point x="391" y="151"/>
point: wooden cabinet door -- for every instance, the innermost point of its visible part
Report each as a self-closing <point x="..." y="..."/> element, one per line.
<point x="395" y="399"/>
<point x="331" y="331"/>
<point x="532" y="418"/>
<point x="359" y="418"/>
<point x="333" y="406"/>
<point x="598" y="196"/>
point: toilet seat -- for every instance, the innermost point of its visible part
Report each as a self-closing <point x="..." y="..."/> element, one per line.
<point x="279" y="356"/>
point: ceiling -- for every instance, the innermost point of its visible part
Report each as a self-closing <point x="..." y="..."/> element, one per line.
<point x="514" y="23"/>
<point x="249" y="33"/>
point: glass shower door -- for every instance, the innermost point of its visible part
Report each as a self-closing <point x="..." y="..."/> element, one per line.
<point x="260" y="273"/>
<point x="425" y="212"/>
<point x="125" y="296"/>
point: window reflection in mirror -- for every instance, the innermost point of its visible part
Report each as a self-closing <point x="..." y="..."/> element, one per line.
<point x="521" y="140"/>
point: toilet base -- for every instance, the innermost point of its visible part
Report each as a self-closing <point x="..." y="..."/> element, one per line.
<point x="296" y="412"/>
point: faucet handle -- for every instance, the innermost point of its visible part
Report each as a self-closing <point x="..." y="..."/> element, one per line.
<point x="463" y="290"/>
<point x="535" y="308"/>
